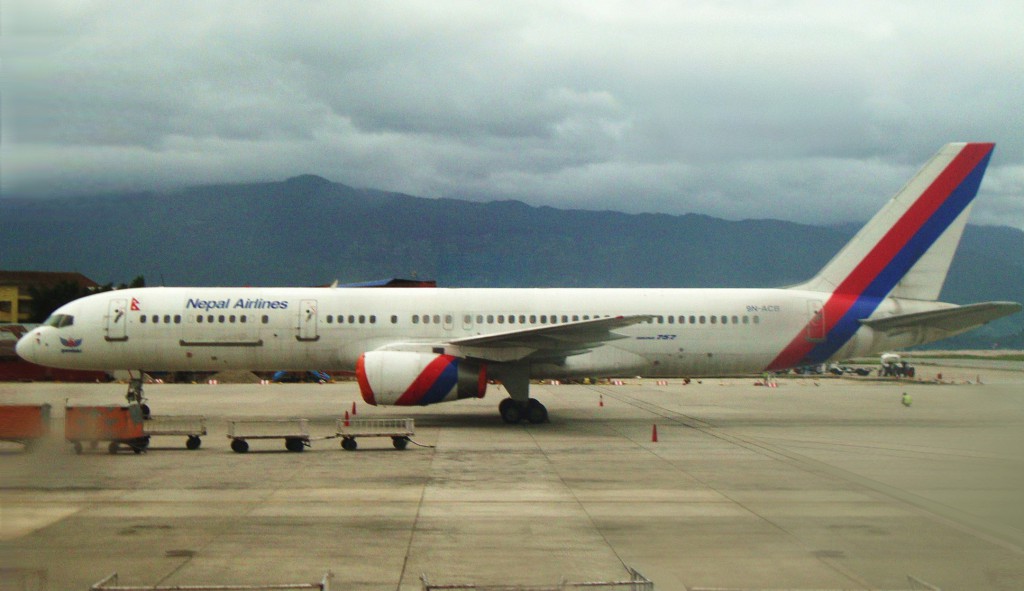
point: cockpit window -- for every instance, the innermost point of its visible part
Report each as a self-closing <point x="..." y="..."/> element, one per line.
<point x="60" y="320"/>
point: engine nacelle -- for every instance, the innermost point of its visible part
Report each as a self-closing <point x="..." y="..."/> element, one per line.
<point x="402" y="378"/>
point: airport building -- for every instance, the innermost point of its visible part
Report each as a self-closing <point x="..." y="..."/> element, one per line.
<point x="15" y="300"/>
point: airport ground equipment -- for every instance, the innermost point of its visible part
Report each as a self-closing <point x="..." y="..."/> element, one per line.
<point x="635" y="582"/>
<point x="295" y="433"/>
<point x="193" y="427"/>
<point x="399" y="430"/>
<point x="25" y="424"/>
<point x="118" y="425"/>
<point x="109" y="583"/>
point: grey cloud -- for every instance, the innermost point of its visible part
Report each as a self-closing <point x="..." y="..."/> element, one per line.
<point x="795" y="110"/>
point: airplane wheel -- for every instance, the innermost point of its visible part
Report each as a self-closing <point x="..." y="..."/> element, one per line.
<point x="536" y="412"/>
<point x="239" y="446"/>
<point x="193" y="442"/>
<point x="510" y="411"/>
<point x="349" y="444"/>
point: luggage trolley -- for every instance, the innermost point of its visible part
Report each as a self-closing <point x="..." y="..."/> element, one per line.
<point x="193" y="427"/>
<point x="399" y="430"/>
<point x="120" y="425"/>
<point x="295" y="433"/>
<point x="24" y="424"/>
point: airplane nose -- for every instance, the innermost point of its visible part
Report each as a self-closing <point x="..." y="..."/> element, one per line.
<point x="26" y="347"/>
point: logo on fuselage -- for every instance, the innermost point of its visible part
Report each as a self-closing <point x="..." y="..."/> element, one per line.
<point x="71" y="345"/>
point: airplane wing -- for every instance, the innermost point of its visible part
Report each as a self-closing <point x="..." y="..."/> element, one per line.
<point x="948" y="322"/>
<point x="555" y="341"/>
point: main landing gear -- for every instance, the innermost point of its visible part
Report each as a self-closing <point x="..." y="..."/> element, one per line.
<point x="513" y="411"/>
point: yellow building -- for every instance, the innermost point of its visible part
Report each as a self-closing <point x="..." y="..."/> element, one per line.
<point x="15" y="301"/>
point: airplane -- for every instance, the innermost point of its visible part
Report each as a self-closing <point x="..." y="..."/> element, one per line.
<point x="426" y="346"/>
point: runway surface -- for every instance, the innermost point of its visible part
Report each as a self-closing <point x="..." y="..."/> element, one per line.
<point x="816" y="484"/>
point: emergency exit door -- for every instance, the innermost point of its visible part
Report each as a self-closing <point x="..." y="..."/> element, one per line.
<point x="117" y="320"/>
<point x="816" y="328"/>
<point x="308" y="321"/>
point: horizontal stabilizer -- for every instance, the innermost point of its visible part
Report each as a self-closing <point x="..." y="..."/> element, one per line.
<point x="948" y="321"/>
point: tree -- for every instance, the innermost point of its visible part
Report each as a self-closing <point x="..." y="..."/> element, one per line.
<point x="46" y="299"/>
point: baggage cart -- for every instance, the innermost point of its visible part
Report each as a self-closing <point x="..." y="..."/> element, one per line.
<point x="24" y="424"/>
<point x="399" y="430"/>
<point x="118" y="425"/>
<point x="295" y="433"/>
<point x="192" y="427"/>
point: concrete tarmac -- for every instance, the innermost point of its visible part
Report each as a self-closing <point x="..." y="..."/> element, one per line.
<point x="817" y="484"/>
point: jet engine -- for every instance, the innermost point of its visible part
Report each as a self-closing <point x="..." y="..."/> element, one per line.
<point x="403" y="378"/>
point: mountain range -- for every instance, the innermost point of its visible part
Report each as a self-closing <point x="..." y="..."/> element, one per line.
<point x="310" y="231"/>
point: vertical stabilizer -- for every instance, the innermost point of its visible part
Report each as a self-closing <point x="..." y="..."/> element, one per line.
<point x="906" y="249"/>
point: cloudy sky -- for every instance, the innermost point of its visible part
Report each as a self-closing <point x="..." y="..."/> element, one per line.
<point x="810" y="111"/>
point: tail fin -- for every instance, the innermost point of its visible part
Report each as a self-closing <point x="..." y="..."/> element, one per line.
<point x="906" y="249"/>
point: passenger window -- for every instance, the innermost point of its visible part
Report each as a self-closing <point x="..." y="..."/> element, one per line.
<point x="757" y="319"/>
<point x="447" y="318"/>
<point x="437" y="319"/>
<point x="746" y="320"/>
<point x="479" y="318"/>
<point x="543" y="319"/>
<point x="511" y="318"/>
<point x="714" y="320"/>
<point x="220" y="319"/>
<point x="703" y="319"/>
<point x="394" y="319"/>
<point x="199" y="319"/>
<point x="501" y="319"/>
<point x="490" y="319"/>
<point x="735" y="319"/>
<point x="209" y="318"/>
<point x="231" y="319"/>
<point x="240" y="319"/>
<point x="351" y="319"/>
<point x="142" y="319"/>
<point x="467" y="319"/>
<point x="415" y="318"/>
<point x="373" y="319"/>
<point x="265" y="319"/>
<point x="177" y="318"/>
<point x="330" y="319"/>
<point x="533" y="319"/>
<point x="362" y="319"/>
<point x="522" y="319"/>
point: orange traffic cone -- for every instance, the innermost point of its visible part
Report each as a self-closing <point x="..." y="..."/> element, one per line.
<point x="346" y="418"/>
<point x="654" y="433"/>
<point x="600" y="400"/>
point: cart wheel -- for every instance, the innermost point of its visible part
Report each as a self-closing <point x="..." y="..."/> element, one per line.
<point x="78" y="446"/>
<point x="112" y="448"/>
<point x="136" y="450"/>
<point x="193" y="442"/>
<point x="400" y="442"/>
<point x="145" y="412"/>
<point x="349" y="443"/>
<point x="142" y="442"/>
<point x="294" y="444"/>
<point x="240" y="445"/>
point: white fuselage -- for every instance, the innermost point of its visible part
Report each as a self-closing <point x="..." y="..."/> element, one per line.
<point x="693" y="332"/>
